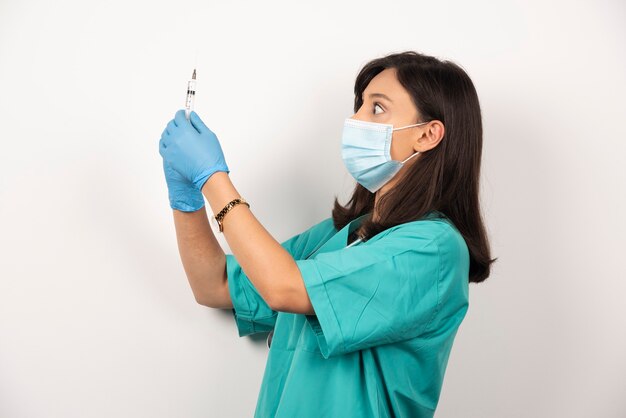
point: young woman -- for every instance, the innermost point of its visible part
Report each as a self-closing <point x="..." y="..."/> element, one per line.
<point x="363" y="307"/>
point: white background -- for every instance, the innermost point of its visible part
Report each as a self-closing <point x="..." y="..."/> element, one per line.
<point x="96" y="316"/>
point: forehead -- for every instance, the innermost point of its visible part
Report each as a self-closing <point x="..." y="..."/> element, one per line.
<point x="386" y="82"/>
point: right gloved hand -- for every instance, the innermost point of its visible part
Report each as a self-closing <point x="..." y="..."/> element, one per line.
<point x="192" y="149"/>
<point x="183" y="195"/>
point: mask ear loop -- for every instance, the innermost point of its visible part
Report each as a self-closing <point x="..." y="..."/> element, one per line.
<point x="410" y="126"/>
<point x="414" y="154"/>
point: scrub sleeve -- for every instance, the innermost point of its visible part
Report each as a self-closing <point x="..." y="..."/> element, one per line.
<point x="369" y="295"/>
<point x="252" y="314"/>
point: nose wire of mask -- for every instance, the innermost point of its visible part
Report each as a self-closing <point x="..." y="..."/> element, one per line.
<point x="365" y="150"/>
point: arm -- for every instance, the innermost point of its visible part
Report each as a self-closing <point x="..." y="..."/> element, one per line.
<point x="270" y="267"/>
<point x="193" y="151"/>
<point x="203" y="259"/>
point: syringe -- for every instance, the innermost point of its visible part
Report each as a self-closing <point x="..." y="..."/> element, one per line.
<point x="191" y="93"/>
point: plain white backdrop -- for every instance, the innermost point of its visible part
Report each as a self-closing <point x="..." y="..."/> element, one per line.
<point x="96" y="316"/>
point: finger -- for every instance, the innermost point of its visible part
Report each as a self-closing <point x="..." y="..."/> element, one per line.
<point x="165" y="139"/>
<point x="162" y="148"/>
<point x="180" y="118"/>
<point x="197" y="123"/>
<point x="171" y="126"/>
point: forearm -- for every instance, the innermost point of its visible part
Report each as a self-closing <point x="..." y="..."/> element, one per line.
<point x="267" y="264"/>
<point x="202" y="256"/>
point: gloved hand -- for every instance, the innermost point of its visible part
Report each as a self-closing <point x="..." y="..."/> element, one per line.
<point x="192" y="149"/>
<point x="182" y="194"/>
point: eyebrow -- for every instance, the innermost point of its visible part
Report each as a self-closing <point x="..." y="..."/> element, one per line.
<point x="380" y="95"/>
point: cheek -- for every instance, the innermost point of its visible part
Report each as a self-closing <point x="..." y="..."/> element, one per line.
<point x="398" y="147"/>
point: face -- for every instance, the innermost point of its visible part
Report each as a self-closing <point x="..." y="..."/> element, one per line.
<point x="385" y="100"/>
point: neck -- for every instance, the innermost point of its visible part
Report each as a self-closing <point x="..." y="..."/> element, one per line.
<point x="379" y="193"/>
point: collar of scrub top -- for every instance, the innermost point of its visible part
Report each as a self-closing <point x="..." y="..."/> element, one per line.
<point x="340" y="238"/>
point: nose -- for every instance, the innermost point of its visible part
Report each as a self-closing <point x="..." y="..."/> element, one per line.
<point x="356" y="116"/>
<point x="361" y="113"/>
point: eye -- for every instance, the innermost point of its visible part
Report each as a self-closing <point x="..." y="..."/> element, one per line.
<point x="376" y="105"/>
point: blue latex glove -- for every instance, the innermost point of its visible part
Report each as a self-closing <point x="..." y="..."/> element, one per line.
<point x="182" y="193"/>
<point x="192" y="149"/>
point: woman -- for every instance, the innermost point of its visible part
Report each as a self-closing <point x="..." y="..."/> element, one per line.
<point x="364" y="305"/>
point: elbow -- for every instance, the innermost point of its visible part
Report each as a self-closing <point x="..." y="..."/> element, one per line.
<point x="278" y="298"/>
<point x="287" y="293"/>
<point x="274" y="302"/>
<point x="209" y="299"/>
<point x="200" y="300"/>
<point x="217" y="298"/>
<point x="293" y="298"/>
<point x="297" y="303"/>
<point x="281" y="295"/>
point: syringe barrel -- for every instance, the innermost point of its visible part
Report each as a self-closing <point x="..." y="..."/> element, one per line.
<point x="191" y="92"/>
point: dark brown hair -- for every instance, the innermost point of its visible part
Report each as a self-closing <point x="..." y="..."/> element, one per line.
<point x="446" y="177"/>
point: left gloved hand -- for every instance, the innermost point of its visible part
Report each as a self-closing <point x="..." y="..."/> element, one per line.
<point x="192" y="149"/>
<point x="182" y="194"/>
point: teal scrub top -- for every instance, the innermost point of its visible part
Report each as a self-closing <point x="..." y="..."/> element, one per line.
<point x="386" y="314"/>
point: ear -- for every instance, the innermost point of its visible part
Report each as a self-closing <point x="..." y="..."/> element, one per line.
<point x="430" y="137"/>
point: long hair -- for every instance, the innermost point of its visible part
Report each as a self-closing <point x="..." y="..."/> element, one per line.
<point x="446" y="178"/>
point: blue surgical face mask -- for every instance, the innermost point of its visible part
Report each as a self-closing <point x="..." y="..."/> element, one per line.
<point x="365" y="149"/>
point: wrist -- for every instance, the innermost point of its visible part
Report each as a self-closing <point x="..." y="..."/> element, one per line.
<point x="219" y="191"/>
<point x="187" y="203"/>
<point x="201" y="181"/>
<point x="216" y="181"/>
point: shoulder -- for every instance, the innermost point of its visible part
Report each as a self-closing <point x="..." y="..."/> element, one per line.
<point x="322" y="227"/>
<point x="319" y="231"/>
<point x="439" y="232"/>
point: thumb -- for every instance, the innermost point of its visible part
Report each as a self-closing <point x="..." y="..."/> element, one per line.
<point x="197" y="123"/>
